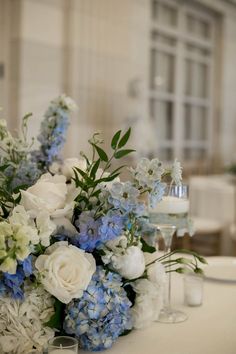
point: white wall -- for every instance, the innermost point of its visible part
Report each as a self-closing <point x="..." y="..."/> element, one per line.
<point x="93" y="49"/>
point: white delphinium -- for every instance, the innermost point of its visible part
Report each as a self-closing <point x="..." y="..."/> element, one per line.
<point x="22" y="324"/>
<point x="65" y="102"/>
<point x="148" y="172"/>
<point x="176" y="172"/>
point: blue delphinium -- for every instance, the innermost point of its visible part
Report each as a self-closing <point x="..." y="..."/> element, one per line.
<point x="88" y="238"/>
<point x="92" y="233"/>
<point x="111" y="227"/>
<point x="12" y="284"/>
<point x="124" y="196"/>
<point x="26" y="174"/>
<point x="155" y="196"/>
<point x="101" y="315"/>
<point x="52" y="134"/>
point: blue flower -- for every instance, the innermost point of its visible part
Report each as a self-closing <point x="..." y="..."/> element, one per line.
<point x="124" y="196"/>
<point x="101" y="315"/>
<point x="52" y="135"/>
<point x="88" y="238"/>
<point x="12" y="284"/>
<point x="155" y="196"/>
<point x="112" y="226"/>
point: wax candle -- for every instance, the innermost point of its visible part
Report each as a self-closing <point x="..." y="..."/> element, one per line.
<point x="172" y="205"/>
<point x="193" y="290"/>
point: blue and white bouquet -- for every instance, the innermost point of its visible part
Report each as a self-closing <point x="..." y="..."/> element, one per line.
<point x="72" y="255"/>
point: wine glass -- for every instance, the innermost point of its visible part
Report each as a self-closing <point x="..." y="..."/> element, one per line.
<point x="173" y="207"/>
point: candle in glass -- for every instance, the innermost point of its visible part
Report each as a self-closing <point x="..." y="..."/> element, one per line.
<point x="63" y="345"/>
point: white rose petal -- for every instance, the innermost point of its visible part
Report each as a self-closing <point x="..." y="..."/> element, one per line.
<point x="48" y="194"/>
<point x="70" y="163"/>
<point x="66" y="271"/>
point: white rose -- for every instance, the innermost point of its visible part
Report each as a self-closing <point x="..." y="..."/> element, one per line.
<point x="69" y="164"/>
<point x="49" y="194"/>
<point x="66" y="271"/>
<point x="156" y="274"/>
<point x="131" y="264"/>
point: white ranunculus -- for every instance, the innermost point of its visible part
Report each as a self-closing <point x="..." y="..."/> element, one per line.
<point x="66" y="271"/>
<point x="131" y="264"/>
<point x="69" y="164"/>
<point x="156" y="274"/>
<point x="49" y="194"/>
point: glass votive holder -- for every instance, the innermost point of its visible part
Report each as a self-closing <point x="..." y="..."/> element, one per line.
<point x="193" y="290"/>
<point x="63" y="345"/>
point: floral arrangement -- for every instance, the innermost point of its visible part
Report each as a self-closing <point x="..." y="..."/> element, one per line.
<point x="73" y="258"/>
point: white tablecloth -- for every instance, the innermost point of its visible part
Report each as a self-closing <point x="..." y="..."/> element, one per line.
<point x="210" y="329"/>
<point x="214" y="197"/>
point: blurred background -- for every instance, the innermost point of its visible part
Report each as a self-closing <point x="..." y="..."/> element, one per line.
<point x="164" y="67"/>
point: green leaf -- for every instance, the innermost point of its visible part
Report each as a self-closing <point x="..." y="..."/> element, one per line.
<point x="146" y="247"/>
<point x="94" y="169"/>
<point x="115" y="139"/>
<point x="101" y="153"/>
<point x="122" y="153"/>
<point x="56" y="320"/>
<point x="118" y="169"/>
<point x="81" y="172"/>
<point x="3" y="167"/>
<point x="124" y="139"/>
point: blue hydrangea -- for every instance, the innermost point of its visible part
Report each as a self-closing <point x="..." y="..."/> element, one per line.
<point x="101" y="315"/>
<point x="155" y="196"/>
<point x="124" y="196"/>
<point x="12" y="284"/>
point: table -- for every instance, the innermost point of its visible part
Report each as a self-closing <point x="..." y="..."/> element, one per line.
<point x="214" y="197"/>
<point x="210" y="328"/>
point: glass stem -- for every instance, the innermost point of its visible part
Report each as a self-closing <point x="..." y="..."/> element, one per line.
<point x="168" y="289"/>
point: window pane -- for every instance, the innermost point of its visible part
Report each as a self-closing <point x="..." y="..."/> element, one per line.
<point x="162" y="112"/>
<point x="162" y="39"/>
<point x="195" y="123"/>
<point x="166" y="154"/>
<point x="192" y="49"/>
<point x="162" y="71"/>
<point x="194" y="153"/>
<point x="196" y="83"/>
<point x="198" y="27"/>
<point x="164" y="14"/>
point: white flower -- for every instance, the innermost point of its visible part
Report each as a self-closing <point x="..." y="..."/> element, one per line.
<point x="45" y="228"/>
<point x="176" y="172"/>
<point x="148" y="172"/>
<point x="66" y="271"/>
<point x="70" y="163"/>
<point x="130" y="264"/>
<point x="22" y="324"/>
<point x="156" y="274"/>
<point x="49" y="194"/>
<point x="66" y="102"/>
<point x="148" y="303"/>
